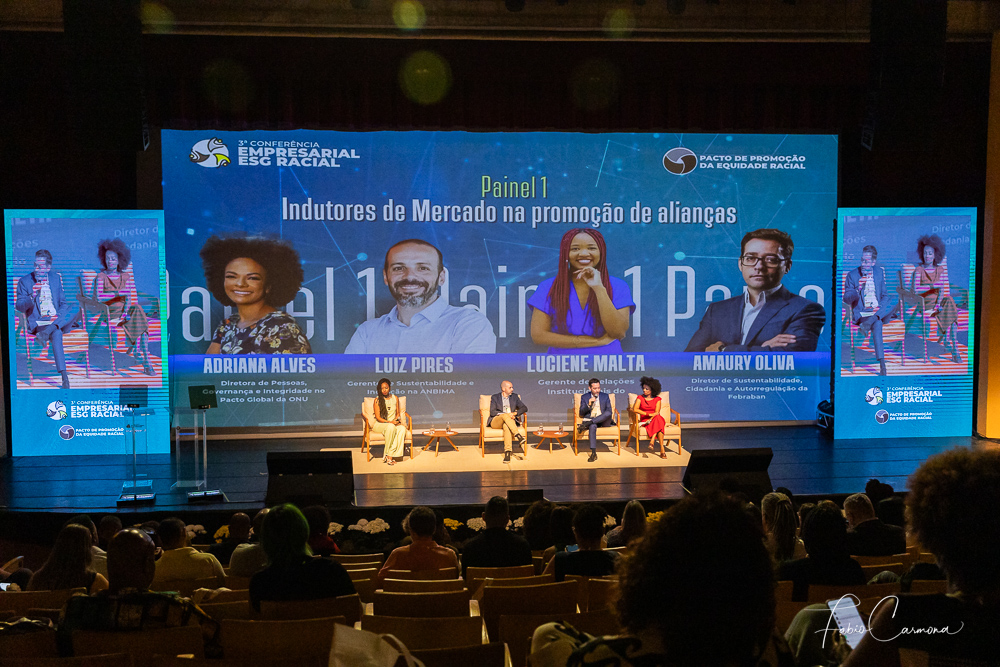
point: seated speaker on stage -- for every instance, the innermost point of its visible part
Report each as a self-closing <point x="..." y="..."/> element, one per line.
<point x="865" y="291"/>
<point x="596" y="410"/>
<point x="507" y="413"/>
<point x="390" y="422"/>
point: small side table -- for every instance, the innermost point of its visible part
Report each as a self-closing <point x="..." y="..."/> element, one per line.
<point x="435" y="439"/>
<point x="551" y="436"/>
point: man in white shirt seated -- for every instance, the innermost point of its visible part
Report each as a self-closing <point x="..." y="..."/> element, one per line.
<point x="181" y="562"/>
<point x="421" y="322"/>
<point x="865" y="290"/>
<point x="48" y="314"/>
<point x="249" y="559"/>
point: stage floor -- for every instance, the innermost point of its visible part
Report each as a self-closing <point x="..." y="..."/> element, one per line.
<point x="806" y="460"/>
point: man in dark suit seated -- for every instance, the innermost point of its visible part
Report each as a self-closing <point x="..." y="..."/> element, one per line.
<point x="496" y="546"/>
<point x="868" y="535"/>
<point x="595" y="408"/>
<point x="767" y="317"/>
<point x="41" y="298"/>
<point x="865" y="291"/>
<point x="507" y="412"/>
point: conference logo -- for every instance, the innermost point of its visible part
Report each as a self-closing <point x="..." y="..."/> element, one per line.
<point x="680" y="161"/>
<point x="210" y="153"/>
<point x="66" y="432"/>
<point x="881" y="416"/>
<point x="874" y="396"/>
<point x="56" y="410"/>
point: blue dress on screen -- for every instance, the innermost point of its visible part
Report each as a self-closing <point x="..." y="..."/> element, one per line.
<point x="579" y="319"/>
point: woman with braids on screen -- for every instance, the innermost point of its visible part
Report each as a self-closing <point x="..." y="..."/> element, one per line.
<point x="581" y="309"/>
<point x="930" y="281"/>
<point x="115" y="288"/>
<point x="258" y="276"/>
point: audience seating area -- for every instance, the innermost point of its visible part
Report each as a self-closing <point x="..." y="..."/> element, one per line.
<point x="485" y="618"/>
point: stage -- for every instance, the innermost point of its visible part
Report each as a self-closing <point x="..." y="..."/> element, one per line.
<point x="806" y="460"/>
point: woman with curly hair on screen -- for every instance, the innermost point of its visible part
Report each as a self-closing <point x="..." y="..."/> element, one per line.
<point x="257" y="276"/>
<point x="115" y="288"/>
<point x="581" y="309"/>
<point x="930" y="280"/>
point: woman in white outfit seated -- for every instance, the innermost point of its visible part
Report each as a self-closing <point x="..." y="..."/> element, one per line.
<point x="389" y="422"/>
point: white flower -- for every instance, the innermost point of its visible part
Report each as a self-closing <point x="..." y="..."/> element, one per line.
<point x="334" y="528"/>
<point x="519" y="522"/>
<point x="376" y="526"/>
<point x="476" y="523"/>
<point x="609" y="521"/>
<point x="371" y="527"/>
<point x="193" y="530"/>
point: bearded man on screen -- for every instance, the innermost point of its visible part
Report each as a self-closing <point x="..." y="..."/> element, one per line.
<point x="421" y="322"/>
<point x="766" y="317"/>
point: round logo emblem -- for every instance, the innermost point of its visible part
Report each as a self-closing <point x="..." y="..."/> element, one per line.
<point x="66" y="432"/>
<point x="874" y="396"/>
<point x="881" y="416"/>
<point x="56" y="410"/>
<point x="680" y="161"/>
<point x="210" y="153"/>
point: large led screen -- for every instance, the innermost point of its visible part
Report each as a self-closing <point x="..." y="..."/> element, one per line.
<point x="85" y="318"/>
<point x="907" y="303"/>
<point x="305" y="265"/>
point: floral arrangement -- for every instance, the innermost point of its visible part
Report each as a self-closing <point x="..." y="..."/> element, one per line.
<point x="194" y="530"/>
<point x="372" y="527"/>
<point x="221" y="534"/>
<point x="518" y="523"/>
<point x="609" y="522"/>
<point x="476" y="523"/>
<point x="654" y="516"/>
<point x="334" y="528"/>
<point x="451" y="524"/>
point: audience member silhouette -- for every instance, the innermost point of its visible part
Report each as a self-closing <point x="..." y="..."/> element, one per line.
<point x="292" y="572"/>
<point x="719" y="612"/>
<point x="69" y="565"/>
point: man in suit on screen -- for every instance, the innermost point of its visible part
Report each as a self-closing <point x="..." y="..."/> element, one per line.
<point x="766" y="317"/>
<point x="866" y="292"/>
<point x="507" y="412"/>
<point x="48" y="314"/>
